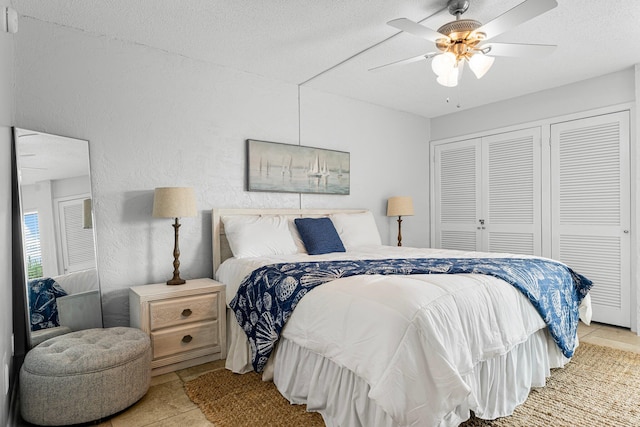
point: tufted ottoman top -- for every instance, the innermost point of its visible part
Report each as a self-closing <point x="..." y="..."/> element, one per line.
<point x="86" y="351"/>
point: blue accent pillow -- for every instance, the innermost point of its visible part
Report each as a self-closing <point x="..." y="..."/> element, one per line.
<point x="319" y="235"/>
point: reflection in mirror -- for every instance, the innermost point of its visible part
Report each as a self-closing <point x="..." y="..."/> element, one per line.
<point x="63" y="292"/>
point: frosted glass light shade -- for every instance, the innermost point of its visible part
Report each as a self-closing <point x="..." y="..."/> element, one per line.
<point x="174" y="202"/>
<point x="443" y="64"/>
<point x="400" y="206"/>
<point x="450" y="79"/>
<point x="480" y="64"/>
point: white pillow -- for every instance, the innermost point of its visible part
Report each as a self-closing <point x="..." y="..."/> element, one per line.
<point x="356" y="229"/>
<point x="296" y="236"/>
<point x="253" y="235"/>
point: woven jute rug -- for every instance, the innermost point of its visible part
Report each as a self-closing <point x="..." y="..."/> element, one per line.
<point x="233" y="400"/>
<point x="600" y="387"/>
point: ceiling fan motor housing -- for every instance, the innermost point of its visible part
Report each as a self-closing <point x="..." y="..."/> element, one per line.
<point x="461" y="31"/>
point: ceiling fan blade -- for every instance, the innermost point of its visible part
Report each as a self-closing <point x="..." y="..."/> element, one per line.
<point x="405" y="61"/>
<point x="517" y="49"/>
<point x="521" y="13"/>
<point x="416" y="29"/>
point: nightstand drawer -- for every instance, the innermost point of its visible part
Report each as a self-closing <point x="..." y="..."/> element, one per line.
<point x="179" y="311"/>
<point x="184" y="338"/>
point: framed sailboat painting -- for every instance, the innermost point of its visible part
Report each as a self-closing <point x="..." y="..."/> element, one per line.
<point x="277" y="167"/>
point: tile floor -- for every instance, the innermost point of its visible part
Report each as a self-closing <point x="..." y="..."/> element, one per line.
<point x="167" y="405"/>
<point x="609" y="336"/>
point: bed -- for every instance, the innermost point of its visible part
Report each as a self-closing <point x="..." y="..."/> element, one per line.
<point x="379" y="339"/>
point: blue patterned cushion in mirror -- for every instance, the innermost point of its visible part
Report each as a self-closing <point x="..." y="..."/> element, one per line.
<point x="43" y="308"/>
<point x="319" y="235"/>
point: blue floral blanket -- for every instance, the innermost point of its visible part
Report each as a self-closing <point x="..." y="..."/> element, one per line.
<point x="267" y="297"/>
<point x="43" y="308"/>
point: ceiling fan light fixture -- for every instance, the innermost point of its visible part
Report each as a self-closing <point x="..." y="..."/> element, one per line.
<point x="480" y="64"/>
<point x="444" y="63"/>
<point x="463" y="40"/>
<point x="449" y="79"/>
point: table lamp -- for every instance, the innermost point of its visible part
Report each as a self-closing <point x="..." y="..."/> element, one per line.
<point x="399" y="206"/>
<point x="87" y="218"/>
<point x="174" y="202"/>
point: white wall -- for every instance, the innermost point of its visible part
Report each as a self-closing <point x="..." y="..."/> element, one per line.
<point x="635" y="195"/>
<point x="389" y="157"/>
<point x="6" y="121"/>
<point x="610" y="89"/>
<point x="157" y="119"/>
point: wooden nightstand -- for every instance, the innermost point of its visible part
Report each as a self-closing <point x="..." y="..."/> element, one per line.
<point x="186" y="323"/>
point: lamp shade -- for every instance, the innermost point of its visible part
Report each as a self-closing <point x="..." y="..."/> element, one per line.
<point x="87" y="219"/>
<point x="480" y="64"/>
<point x="174" y="202"/>
<point x="400" y="206"/>
<point x="450" y="79"/>
<point x="443" y="64"/>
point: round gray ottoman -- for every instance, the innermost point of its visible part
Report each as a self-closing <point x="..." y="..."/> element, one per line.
<point x="84" y="376"/>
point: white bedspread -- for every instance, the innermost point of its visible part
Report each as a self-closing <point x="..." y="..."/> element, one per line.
<point x="413" y="339"/>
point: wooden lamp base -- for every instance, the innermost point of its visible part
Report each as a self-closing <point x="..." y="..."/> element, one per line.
<point x="176" y="280"/>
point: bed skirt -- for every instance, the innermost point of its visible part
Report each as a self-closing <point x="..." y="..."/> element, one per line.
<point x="497" y="385"/>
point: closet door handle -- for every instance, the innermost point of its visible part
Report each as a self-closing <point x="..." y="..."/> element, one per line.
<point x="186" y="312"/>
<point x="187" y="338"/>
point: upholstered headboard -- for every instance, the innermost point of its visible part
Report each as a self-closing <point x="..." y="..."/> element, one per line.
<point x="221" y="250"/>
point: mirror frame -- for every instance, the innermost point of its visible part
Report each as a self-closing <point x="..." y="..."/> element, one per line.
<point x="86" y="298"/>
<point x="21" y="324"/>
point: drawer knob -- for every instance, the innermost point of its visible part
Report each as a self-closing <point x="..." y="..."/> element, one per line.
<point x="187" y="338"/>
<point x="186" y="312"/>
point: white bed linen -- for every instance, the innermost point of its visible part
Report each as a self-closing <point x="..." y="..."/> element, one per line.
<point x="305" y="377"/>
<point x="419" y="349"/>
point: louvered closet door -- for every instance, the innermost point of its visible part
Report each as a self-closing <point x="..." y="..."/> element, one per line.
<point x="511" y="190"/>
<point x="77" y="244"/>
<point x="457" y="195"/>
<point x="591" y="208"/>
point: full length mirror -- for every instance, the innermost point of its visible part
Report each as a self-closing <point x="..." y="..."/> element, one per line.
<point x="62" y="287"/>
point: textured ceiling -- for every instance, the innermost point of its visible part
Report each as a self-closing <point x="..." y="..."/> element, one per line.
<point x="308" y="41"/>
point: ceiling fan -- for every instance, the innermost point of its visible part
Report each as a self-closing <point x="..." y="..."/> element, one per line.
<point x="467" y="40"/>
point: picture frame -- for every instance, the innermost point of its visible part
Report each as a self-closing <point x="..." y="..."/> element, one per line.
<point x="287" y="168"/>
